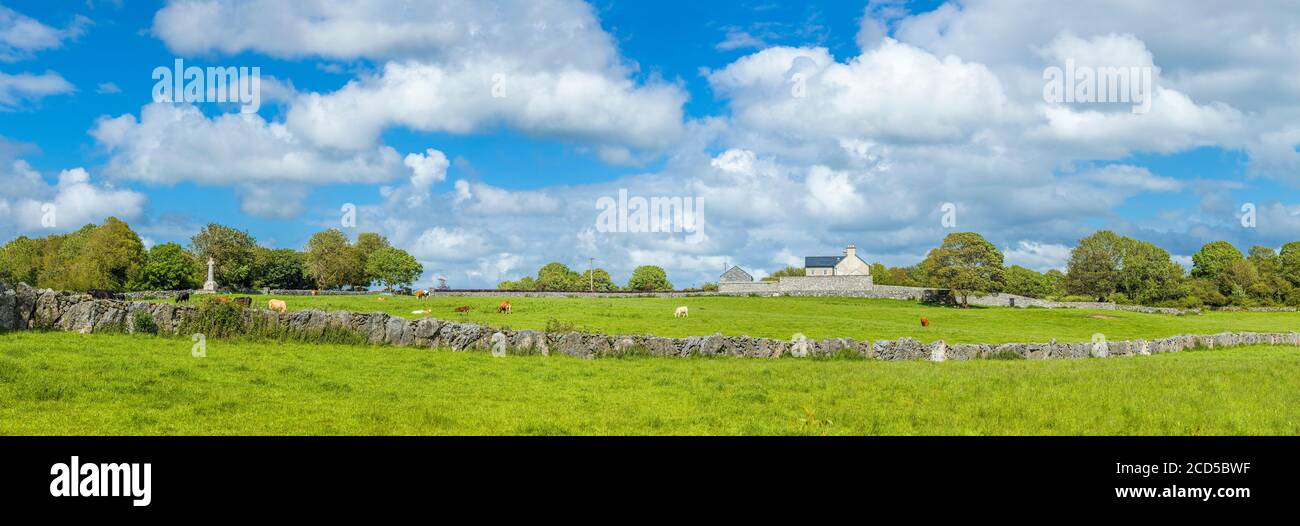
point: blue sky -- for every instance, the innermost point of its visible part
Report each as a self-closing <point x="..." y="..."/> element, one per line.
<point x="913" y="105"/>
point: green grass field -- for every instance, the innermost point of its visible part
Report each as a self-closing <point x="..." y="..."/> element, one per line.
<point x="67" y="383"/>
<point x="781" y="317"/>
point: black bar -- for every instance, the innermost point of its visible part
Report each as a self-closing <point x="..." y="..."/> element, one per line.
<point x="323" y="474"/>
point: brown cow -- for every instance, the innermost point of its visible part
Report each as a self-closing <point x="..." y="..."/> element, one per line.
<point x="925" y="322"/>
<point x="315" y="292"/>
<point x="421" y="294"/>
<point x="463" y="309"/>
<point x="244" y="302"/>
<point x="503" y="308"/>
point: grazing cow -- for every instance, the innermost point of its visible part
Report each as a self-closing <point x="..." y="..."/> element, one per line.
<point x="421" y="294"/>
<point x="925" y="322"/>
<point x="278" y="305"/>
<point x="182" y="297"/>
<point x="503" y="308"/>
<point x="223" y="299"/>
<point x="105" y="295"/>
<point x="463" y="309"/>
<point x="315" y="292"/>
<point x="681" y="312"/>
<point x="244" y="302"/>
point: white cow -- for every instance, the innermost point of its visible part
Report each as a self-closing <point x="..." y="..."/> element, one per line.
<point x="681" y="312"/>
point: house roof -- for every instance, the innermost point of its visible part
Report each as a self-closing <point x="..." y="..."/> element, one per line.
<point x="821" y="261"/>
<point x="734" y="274"/>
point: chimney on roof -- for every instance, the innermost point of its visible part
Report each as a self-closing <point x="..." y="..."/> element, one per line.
<point x="851" y="252"/>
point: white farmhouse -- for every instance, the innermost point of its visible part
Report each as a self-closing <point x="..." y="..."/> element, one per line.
<point x="848" y="264"/>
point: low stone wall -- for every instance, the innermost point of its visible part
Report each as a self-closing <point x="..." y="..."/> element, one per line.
<point x="1255" y="309"/>
<point x="171" y="294"/>
<point x="557" y="294"/>
<point x="856" y="287"/>
<point x="839" y="286"/>
<point x="27" y="308"/>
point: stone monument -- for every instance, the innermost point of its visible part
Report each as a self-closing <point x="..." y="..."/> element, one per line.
<point x="211" y="284"/>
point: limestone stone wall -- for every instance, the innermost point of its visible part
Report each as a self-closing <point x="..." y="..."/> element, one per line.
<point x="169" y="294"/>
<point x="804" y="286"/>
<point x="862" y="287"/>
<point x="27" y="308"/>
<point x="755" y="287"/>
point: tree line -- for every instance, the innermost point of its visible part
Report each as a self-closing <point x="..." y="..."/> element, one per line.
<point x="111" y="256"/>
<point x="1106" y="266"/>
<point x="558" y="277"/>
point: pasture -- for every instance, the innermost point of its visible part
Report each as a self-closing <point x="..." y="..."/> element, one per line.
<point x="781" y="317"/>
<point x="104" y="384"/>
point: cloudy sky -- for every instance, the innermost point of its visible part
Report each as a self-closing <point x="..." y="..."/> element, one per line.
<point x="480" y="135"/>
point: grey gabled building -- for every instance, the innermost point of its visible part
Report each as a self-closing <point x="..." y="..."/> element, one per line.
<point x="736" y="275"/>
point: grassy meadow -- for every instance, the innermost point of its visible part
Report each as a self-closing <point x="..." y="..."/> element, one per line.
<point x="75" y="384"/>
<point x="781" y="317"/>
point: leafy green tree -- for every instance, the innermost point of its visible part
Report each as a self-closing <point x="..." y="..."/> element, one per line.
<point x="880" y="274"/>
<point x="1056" y="283"/>
<point x="107" y="257"/>
<point x="1026" y="282"/>
<point x="234" y="252"/>
<point x="1271" y="287"/>
<point x="1213" y="258"/>
<point x="787" y="271"/>
<point x="524" y="283"/>
<point x="1289" y="262"/>
<point x="331" y="262"/>
<point x="57" y="260"/>
<point x="20" y="261"/>
<point x="393" y="267"/>
<point x="967" y="264"/>
<point x="922" y="274"/>
<point x="1199" y="292"/>
<point x="1237" y="280"/>
<point x="1147" y="275"/>
<point x="596" y="279"/>
<point x="1094" y="265"/>
<point x="556" y="276"/>
<point x="903" y="276"/>
<point x="648" y="278"/>
<point x="281" y="268"/>
<point x="367" y="243"/>
<point x="168" y="267"/>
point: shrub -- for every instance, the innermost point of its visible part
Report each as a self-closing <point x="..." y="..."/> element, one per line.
<point x="216" y="319"/>
<point x="144" y="323"/>
<point x="555" y="326"/>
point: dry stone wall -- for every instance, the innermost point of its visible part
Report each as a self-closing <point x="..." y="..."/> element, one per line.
<point x="26" y="308"/>
<point x="858" y="287"/>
